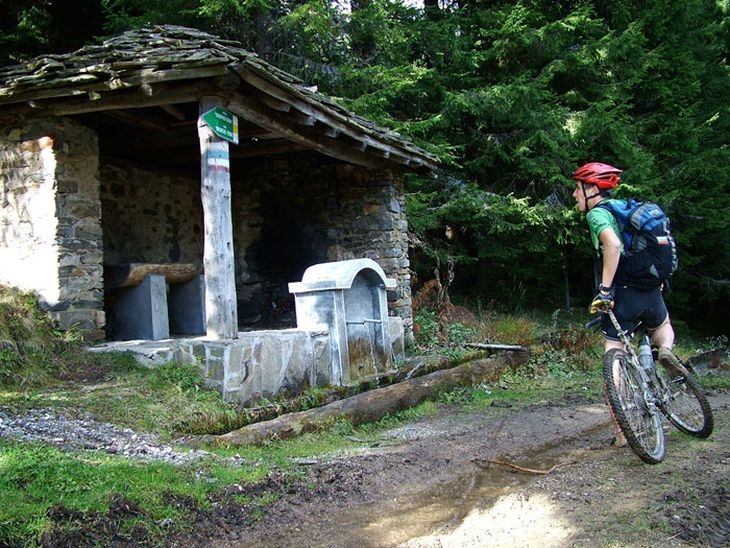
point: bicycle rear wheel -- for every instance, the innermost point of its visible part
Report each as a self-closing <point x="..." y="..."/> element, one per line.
<point x="640" y="422"/>
<point x="686" y="405"/>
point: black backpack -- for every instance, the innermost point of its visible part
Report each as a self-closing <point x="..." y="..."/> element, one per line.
<point x="650" y="251"/>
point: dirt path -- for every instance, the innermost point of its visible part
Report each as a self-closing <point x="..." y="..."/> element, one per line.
<point x="430" y="484"/>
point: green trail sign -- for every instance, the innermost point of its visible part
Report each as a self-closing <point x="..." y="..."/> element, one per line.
<point x="223" y="123"/>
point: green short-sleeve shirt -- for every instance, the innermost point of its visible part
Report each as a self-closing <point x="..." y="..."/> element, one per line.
<point x="600" y="219"/>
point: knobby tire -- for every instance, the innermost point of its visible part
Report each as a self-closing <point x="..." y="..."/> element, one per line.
<point x="641" y="424"/>
<point x="687" y="407"/>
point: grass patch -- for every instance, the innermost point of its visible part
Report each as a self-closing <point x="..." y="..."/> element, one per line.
<point x="36" y="480"/>
<point x="716" y="381"/>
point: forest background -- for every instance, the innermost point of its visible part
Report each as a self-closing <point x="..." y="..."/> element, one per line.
<point x="512" y="95"/>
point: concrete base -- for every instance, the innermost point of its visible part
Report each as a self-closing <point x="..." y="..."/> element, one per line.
<point x="154" y="309"/>
<point x="263" y="364"/>
<point x="397" y="339"/>
<point x="140" y="312"/>
<point x="186" y="307"/>
<point x="259" y="364"/>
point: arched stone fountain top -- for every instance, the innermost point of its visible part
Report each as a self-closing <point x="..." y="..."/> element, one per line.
<point x="338" y="275"/>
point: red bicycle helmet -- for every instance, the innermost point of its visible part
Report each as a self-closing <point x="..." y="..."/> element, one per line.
<point x="603" y="176"/>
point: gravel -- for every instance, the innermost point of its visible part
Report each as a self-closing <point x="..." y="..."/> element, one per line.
<point x="86" y="433"/>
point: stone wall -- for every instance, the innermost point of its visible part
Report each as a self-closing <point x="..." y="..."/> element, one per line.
<point x="50" y="220"/>
<point x="287" y="215"/>
<point x="261" y="364"/>
<point x="150" y="217"/>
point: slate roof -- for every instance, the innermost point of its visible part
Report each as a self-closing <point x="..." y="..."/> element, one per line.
<point x="165" y="67"/>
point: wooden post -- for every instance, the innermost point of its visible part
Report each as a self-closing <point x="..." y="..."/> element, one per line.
<point x="218" y="264"/>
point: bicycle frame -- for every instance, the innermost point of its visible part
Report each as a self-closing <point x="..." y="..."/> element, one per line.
<point x="653" y="389"/>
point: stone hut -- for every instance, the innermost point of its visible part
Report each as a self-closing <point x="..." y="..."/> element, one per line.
<point x="173" y="155"/>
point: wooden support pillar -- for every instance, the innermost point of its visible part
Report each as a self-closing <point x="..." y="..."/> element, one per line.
<point x="215" y="191"/>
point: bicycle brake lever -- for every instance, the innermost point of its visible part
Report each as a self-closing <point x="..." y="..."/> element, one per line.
<point x="594" y="322"/>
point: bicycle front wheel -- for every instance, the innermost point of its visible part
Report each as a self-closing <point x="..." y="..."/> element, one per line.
<point x="640" y="420"/>
<point x="685" y="404"/>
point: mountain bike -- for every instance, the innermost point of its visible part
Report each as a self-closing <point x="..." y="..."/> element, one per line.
<point x="639" y="393"/>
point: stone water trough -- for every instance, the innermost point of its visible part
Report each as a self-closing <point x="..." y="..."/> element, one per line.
<point x="348" y="299"/>
<point x="343" y="336"/>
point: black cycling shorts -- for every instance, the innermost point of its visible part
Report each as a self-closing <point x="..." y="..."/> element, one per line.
<point x="632" y="305"/>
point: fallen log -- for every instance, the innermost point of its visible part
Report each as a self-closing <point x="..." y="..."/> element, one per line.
<point x="494" y="346"/>
<point x="370" y="406"/>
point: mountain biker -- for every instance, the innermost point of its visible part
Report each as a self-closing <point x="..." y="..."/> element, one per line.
<point x="594" y="183"/>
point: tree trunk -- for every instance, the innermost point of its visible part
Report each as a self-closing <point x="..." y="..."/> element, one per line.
<point x="373" y="405"/>
<point x="218" y="260"/>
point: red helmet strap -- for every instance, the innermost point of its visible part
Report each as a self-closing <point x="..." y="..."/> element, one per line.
<point x="585" y="195"/>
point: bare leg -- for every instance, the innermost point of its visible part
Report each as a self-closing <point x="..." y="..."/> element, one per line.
<point x="663" y="338"/>
<point x="608" y="345"/>
<point x="663" y="335"/>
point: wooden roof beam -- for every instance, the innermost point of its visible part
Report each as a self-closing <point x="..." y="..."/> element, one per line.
<point x="266" y="148"/>
<point x="250" y="110"/>
<point x="276" y="104"/>
<point x="324" y="127"/>
<point x="174" y="112"/>
<point x="129" y="99"/>
<point x="272" y="90"/>
<point x="139" y="120"/>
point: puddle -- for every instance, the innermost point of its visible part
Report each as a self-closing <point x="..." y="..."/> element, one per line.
<point x="472" y="510"/>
